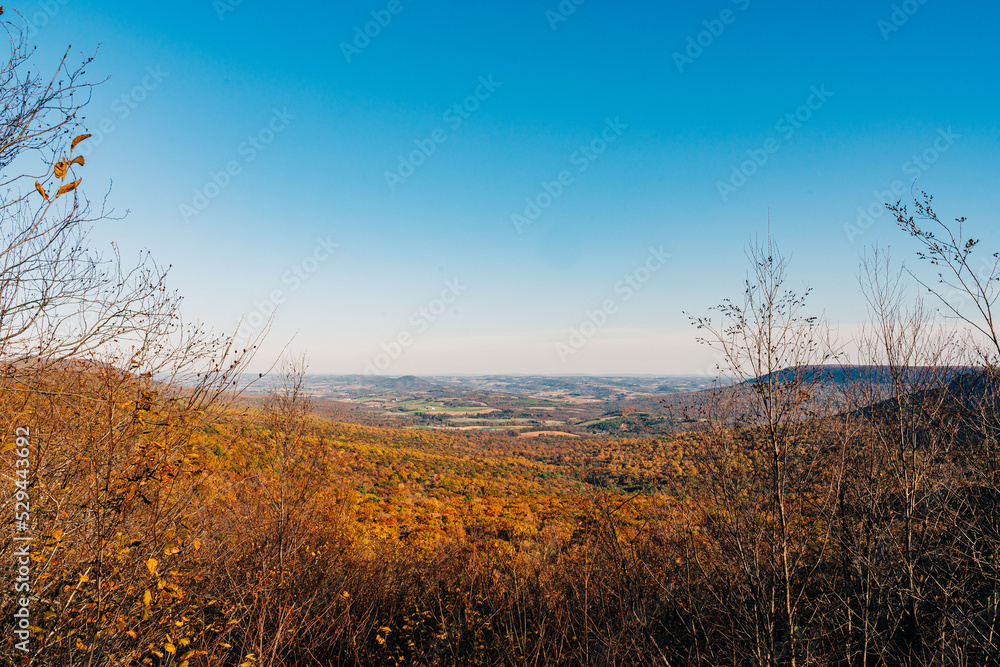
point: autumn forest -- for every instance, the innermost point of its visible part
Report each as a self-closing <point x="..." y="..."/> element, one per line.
<point x="832" y="497"/>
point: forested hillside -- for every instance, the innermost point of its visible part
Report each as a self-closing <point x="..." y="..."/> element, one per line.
<point x="828" y="502"/>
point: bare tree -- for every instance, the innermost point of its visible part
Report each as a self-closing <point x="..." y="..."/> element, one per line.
<point x="114" y="385"/>
<point x="58" y="297"/>
<point x="966" y="292"/>
<point x="768" y="479"/>
<point x="898" y="509"/>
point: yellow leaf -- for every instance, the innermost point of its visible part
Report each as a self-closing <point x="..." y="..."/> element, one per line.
<point x="131" y="633"/>
<point x="60" y="169"/>
<point x="7" y="448"/>
<point x="170" y="648"/>
<point x="170" y="550"/>
<point x="196" y="544"/>
<point x="147" y="598"/>
<point x="57" y="533"/>
<point x="79" y="139"/>
<point x="41" y="190"/>
<point x="151" y="566"/>
<point x="84" y="578"/>
<point x="78" y="160"/>
<point x="69" y="187"/>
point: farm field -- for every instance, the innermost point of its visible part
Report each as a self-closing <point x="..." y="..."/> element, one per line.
<point x="578" y="405"/>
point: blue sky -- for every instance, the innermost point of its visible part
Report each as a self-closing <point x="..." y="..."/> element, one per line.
<point x="273" y="152"/>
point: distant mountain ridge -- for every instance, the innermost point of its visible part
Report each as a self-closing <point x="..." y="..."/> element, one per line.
<point x="882" y="374"/>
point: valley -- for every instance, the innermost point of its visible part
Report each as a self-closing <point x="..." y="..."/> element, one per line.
<point x="525" y="406"/>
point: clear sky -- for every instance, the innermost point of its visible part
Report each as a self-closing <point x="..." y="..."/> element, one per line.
<point x="468" y="183"/>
